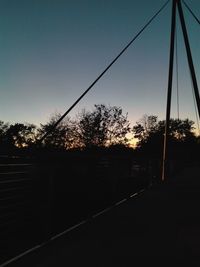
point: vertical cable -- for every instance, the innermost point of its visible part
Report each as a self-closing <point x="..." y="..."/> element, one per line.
<point x="189" y="56"/>
<point x="195" y="106"/>
<point x="165" y="159"/>
<point x="177" y="74"/>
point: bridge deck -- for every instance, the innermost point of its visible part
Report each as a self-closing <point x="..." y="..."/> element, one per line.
<point x="160" y="227"/>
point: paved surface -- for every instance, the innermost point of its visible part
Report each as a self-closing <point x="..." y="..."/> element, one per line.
<point x="161" y="227"/>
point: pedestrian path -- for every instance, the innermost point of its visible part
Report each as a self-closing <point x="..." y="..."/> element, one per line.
<point x="160" y="227"/>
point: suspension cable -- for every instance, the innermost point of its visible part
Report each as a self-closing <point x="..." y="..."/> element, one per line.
<point x="177" y="72"/>
<point x="193" y="93"/>
<point x="195" y="106"/>
<point x="105" y="70"/>
<point x="190" y="10"/>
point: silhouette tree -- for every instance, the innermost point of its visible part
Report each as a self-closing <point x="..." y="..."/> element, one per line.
<point x="104" y="126"/>
<point x="145" y="127"/>
<point x="62" y="137"/>
<point x="3" y="129"/>
<point x="19" y="135"/>
<point x="149" y="125"/>
<point x="150" y="134"/>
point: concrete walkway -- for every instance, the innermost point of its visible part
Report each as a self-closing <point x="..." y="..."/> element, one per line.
<point x="161" y="227"/>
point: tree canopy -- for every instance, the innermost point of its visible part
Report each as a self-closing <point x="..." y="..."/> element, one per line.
<point x="17" y="135"/>
<point x="104" y="126"/>
<point x="149" y="132"/>
<point x="62" y="137"/>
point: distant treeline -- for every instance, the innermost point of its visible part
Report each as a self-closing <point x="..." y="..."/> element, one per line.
<point x="103" y="127"/>
<point x="82" y="167"/>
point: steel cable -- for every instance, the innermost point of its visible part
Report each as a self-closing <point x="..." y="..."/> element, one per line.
<point x="191" y="12"/>
<point x="105" y="70"/>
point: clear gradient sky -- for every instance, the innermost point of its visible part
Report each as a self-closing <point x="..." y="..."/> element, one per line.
<point x="51" y="50"/>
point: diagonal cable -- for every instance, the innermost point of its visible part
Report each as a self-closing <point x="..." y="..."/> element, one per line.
<point x="190" y="10"/>
<point x="195" y="104"/>
<point x="106" y="69"/>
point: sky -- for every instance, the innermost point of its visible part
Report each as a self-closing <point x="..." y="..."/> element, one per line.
<point x="52" y="50"/>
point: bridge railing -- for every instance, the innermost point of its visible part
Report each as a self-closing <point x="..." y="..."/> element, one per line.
<point x="41" y="198"/>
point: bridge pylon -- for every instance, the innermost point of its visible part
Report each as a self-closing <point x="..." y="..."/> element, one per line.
<point x="176" y="5"/>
